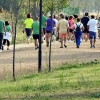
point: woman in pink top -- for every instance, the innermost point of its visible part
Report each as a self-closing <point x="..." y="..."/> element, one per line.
<point x="71" y="28"/>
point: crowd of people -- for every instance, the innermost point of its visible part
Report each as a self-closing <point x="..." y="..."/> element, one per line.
<point x="5" y="34"/>
<point x="64" y="28"/>
<point x="71" y="28"/>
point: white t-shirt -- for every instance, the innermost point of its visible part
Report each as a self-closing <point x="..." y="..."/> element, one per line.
<point x="78" y="23"/>
<point x="92" y="25"/>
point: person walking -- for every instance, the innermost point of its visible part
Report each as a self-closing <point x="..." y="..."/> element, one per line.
<point x="43" y="26"/>
<point x="35" y="33"/>
<point x="7" y="37"/>
<point x="78" y="28"/>
<point x="62" y="27"/>
<point x="84" y="21"/>
<point x="92" y="27"/>
<point x="27" y="26"/>
<point x="2" y="31"/>
<point x="50" y="23"/>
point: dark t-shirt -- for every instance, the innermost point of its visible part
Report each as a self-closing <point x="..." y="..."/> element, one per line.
<point x="84" y="21"/>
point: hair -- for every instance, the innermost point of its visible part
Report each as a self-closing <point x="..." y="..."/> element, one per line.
<point x="66" y="17"/>
<point x="75" y="16"/>
<point x="78" y="19"/>
<point x="92" y="16"/>
<point x="70" y="17"/>
<point x="86" y="14"/>
<point x="29" y="15"/>
<point x="6" y="23"/>
<point x="62" y="16"/>
<point x="37" y="18"/>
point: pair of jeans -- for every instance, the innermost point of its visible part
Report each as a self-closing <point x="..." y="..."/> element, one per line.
<point x="1" y="38"/>
<point x="78" y="37"/>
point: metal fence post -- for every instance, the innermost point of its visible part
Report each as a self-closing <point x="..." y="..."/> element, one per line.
<point x="40" y="51"/>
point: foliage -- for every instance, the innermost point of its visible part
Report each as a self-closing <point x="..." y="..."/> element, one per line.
<point x="54" y="5"/>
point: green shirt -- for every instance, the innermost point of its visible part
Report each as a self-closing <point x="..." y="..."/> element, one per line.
<point x="35" y="27"/>
<point x="8" y="28"/>
<point x="28" y="23"/>
<point x="44" y="21"/>
<point x="2" y="26"/>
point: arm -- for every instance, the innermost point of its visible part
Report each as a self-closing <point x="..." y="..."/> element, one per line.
<point x="57" y="27"/>
<point x="4" y="29"/>
<point x="88" y="25"/>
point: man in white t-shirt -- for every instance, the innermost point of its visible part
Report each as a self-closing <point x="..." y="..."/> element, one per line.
<point x="92" y="27"/>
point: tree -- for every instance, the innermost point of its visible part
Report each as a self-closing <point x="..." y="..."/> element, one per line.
<point x="55" y="5"/>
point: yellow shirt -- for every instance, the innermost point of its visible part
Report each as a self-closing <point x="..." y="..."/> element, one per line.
<point x="28" y="23"/>
<point x="62" y="25"/>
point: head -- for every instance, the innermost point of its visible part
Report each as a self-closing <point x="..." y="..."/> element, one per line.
<point x="92" y="17"/>
<point x="37" y="18"/>
<point x="78" y="19"/>
<point x="6" y="23"/>
<point x="70" y="17"/>
<point x="66" y="17"/>
<point x="75" y="16"/>
<point x="42" y="13"/>
<point x="86" y="14"/>
<point x="29" y="15"/>
<point x="62" y="16"/>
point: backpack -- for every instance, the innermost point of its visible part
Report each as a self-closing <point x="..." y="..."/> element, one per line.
<point x="78" y="29"/>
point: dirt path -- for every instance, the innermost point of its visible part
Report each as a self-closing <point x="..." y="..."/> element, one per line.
<point x="27" y="57"/>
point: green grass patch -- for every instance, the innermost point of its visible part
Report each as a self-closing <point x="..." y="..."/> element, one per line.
<point x="66" y="82"/>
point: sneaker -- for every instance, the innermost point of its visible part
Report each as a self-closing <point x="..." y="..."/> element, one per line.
<point x="90" y="46"/>
<point x="93" y="46"/>
<point x="65" y="45"/>
<point x="77" y="47"/>
<point x="0" y="50"/>
<point x="69" y="41"/>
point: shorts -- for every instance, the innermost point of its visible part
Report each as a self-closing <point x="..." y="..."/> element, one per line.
<point x="28" y="32"/>
<point x="35" y="36"/>
<point x="48" y="32"/>
<point x="62" y="35"/>
<point x="71" y="30"/>
<point x="92" y="35"/>
<point x="85" y="30"/>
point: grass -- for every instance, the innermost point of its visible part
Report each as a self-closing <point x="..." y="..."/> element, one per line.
<point x="66" y="82"/>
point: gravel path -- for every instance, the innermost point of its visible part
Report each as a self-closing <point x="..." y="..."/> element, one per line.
<point x="27" y="58"/>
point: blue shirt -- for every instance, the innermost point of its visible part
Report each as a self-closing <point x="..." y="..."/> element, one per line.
<point x="50" y="24"/>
